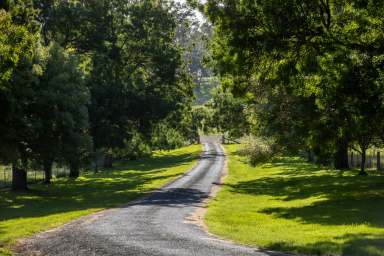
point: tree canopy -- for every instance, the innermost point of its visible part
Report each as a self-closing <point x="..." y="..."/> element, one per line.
<point x="312" y="68"/>
<point x="84" y="78"/>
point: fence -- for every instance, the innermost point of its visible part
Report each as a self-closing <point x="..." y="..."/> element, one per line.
<point x="374" y="159"/>
<point x="33" y="176"/>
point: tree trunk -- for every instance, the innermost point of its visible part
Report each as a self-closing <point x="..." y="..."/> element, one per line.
<point x="108" y="161"/>
<point x="19" y="178"/>
<point x="47" y="171"/>
<point x="310" y="156"/>
<point x="341" y="155"/>
<point x="362" y="166"/>
<point x="74" y="170"/>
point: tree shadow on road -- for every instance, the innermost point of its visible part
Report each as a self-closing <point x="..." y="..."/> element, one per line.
<point x="175" y="197"/>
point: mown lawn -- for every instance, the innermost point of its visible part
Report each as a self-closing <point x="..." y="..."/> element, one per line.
<point x="293" y="206"/>
<point x="45" y="207"/>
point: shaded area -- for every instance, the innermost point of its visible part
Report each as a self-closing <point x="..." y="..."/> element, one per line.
<point x="359" y="245"/>
<point x="175" y="197"/>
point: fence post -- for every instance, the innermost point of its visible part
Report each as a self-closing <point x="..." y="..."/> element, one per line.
<point x="378" y="161"/>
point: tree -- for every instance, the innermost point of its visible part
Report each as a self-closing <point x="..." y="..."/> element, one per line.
<point x="276" y="51"/>
<point x="59" y="111"/>
<point x="360" y="86"/>
<point x="229" y="114"/>
<point x="139" y="79"/>
<point x="18" y="36"/>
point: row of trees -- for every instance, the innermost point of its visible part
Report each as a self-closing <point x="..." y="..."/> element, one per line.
<point x="312" y="71"/>
<point x="82" y="77"/>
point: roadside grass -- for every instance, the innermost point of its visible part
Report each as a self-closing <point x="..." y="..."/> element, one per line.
<point x="46" y="206"/>
<point x="293" y="206"/>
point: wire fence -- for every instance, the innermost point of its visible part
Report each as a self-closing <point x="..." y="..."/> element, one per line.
<point x="33" y="176"/>
<point x="374" y="159"/>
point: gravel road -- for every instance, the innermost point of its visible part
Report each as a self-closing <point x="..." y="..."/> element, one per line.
<point x="159" y="224"/>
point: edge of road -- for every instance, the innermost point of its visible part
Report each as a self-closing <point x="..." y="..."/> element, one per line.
<point x="197" y="217"/>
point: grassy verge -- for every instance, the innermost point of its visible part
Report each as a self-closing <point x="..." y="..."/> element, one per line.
<point x="292" y="206"/>
<point x="45" y="207"/>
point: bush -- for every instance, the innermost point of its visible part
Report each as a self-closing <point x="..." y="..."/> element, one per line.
<point x="165" y="137"/>
<point x="135" y="148"/>
<point x="258" y="150"/>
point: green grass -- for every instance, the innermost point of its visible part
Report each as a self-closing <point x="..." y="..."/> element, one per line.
<point x="293" y="206"/>
<point x="45" y="207"/>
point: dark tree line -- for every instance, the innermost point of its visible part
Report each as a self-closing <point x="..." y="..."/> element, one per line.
<point x="79" y="78"/>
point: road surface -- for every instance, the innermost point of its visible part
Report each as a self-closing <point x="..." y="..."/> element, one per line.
<point x="156" y="225"/>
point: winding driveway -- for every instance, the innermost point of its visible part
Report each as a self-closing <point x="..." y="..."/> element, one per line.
<point x="155" y="225"/>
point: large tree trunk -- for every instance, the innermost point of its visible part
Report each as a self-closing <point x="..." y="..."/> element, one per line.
<point x="362" y="166"/>
<point x="341" y="156"/>
<point x="47" y="171"/>
<point x="19" y="178"/>
<point x="74" y="170"/>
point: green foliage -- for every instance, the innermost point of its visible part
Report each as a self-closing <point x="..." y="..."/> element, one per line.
<point x="16" y="43"/>
<point x="134" y="148"/>
<point x="165" y="137"/>
<point x="138" y="79"/>
<point x="81" y="74"/>
<point x="312" y="69"/>
<point x="229" y="114"/>
<point x="202" y="118"/>
<point x="61" y="132"/>
<point x="17" y="72"/>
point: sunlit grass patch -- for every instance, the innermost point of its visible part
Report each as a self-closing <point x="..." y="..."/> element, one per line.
<point x="291" y="205"/>
<point x="48" y="206"/>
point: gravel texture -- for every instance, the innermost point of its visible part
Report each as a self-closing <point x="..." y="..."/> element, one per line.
<point x="155" y="225"/>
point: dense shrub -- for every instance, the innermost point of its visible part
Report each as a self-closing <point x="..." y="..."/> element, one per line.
<point x="258" y="150"/>
<point x="135" y="148"/>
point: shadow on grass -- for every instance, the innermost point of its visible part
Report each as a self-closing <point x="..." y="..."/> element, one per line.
<point x="353" y="245"/>
<point x="344" y="199"/>
<point x="341" y="199"/>
<point x="119" y="185"/>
